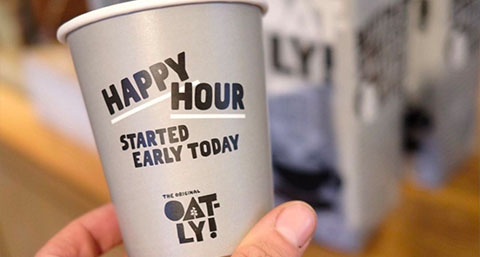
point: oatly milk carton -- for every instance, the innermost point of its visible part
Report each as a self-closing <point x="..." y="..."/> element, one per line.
<point x="178" y="110"/>
<point x="334" y="80"/>
<point x="442" y="85"/>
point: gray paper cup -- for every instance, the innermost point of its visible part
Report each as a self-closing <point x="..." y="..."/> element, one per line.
<point x="175" y="93"/>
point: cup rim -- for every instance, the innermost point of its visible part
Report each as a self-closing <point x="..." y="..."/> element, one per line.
<point x="136" y="6"/>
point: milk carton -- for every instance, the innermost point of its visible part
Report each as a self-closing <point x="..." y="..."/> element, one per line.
<point x="334" y="80"/>
<point x="442" y="85"/>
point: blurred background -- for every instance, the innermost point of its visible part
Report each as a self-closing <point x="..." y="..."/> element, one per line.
<point x="374" y="121"/>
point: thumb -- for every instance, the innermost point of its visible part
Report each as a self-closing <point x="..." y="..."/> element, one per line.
<point x="286" y="231"/>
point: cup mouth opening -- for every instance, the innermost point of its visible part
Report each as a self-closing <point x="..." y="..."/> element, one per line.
<point x="136" y="6"/>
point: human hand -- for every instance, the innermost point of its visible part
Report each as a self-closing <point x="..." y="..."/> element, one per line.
<point x="285" y="231"/>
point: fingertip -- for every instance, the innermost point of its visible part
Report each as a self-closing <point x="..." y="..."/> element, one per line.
<point x="296" y="222"/>
<point x="284" y="231"/>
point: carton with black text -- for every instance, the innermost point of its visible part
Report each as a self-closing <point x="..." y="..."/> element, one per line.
<point x="177" y="106"/>
<point x="334" y="77"/>
<point x="442" y="85"/>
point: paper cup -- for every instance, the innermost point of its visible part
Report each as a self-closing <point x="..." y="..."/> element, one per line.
<point x="175" y="92"/>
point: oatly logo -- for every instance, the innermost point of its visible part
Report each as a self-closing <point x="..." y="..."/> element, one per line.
<point x="196" y="220"/>
<point x="138" y="88"/>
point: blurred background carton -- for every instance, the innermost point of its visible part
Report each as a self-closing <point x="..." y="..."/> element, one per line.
<point x="342" y="75"/>
<point x="334" y="77"/>
<point x="442" y="86"/>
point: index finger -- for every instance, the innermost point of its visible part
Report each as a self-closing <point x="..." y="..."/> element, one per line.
<point x="90" y="235"/>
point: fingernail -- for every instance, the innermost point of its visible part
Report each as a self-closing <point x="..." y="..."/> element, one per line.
<point x="296" y="223"/>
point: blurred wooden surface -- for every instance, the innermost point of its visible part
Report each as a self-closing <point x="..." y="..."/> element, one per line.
<point x="60" y="180"/>
<point x="440" y="223"/>
<point x="45" y="180"/>
<point x="20" y="131"/>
